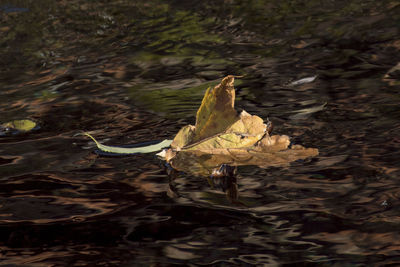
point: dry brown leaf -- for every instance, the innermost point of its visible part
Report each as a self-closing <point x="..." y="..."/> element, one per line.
<point x="222" y="137"/>
<point x="203" y="162"/>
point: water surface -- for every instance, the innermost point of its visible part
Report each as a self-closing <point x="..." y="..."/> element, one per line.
<point x="134" y="71"/>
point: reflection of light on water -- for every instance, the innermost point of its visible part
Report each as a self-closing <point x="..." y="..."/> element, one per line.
<point x="32" y="258"/>
<point x="27" y="208"/>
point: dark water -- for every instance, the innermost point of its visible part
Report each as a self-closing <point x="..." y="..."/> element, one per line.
<point x="135" y="71"/>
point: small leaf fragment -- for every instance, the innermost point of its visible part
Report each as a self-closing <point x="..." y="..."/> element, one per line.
<point x="21" y="125"/>
<point x="132" y="150"/>
<point x="304" y="80"/>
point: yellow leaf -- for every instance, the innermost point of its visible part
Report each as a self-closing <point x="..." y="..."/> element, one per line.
<point x="223" y="137"/>
<point x="20" y="125"/>
<point x="273" y="143"/>
<point x="250" y="125"/>
<point x="245" y="132"/>
<point x="183" y="137"/>
<point x="217" y="111"/>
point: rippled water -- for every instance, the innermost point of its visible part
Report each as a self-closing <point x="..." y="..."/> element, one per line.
<point x="135" y="71"/>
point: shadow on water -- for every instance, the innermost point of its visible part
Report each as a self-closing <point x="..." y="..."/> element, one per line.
<point x="135" y="71"/>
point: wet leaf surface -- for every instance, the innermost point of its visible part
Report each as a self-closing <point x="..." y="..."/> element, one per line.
<point x="244" y="140"/>
<point x="17" y="126"/>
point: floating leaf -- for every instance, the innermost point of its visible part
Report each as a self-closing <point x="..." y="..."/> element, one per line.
<point x="304" y="80"/>
<point x="132" y="150"/>
<point x="222" y="137"/>
<point x="20" y="125"/>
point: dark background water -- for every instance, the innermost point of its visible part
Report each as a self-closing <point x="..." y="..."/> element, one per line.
<point x="135" y="71"/>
